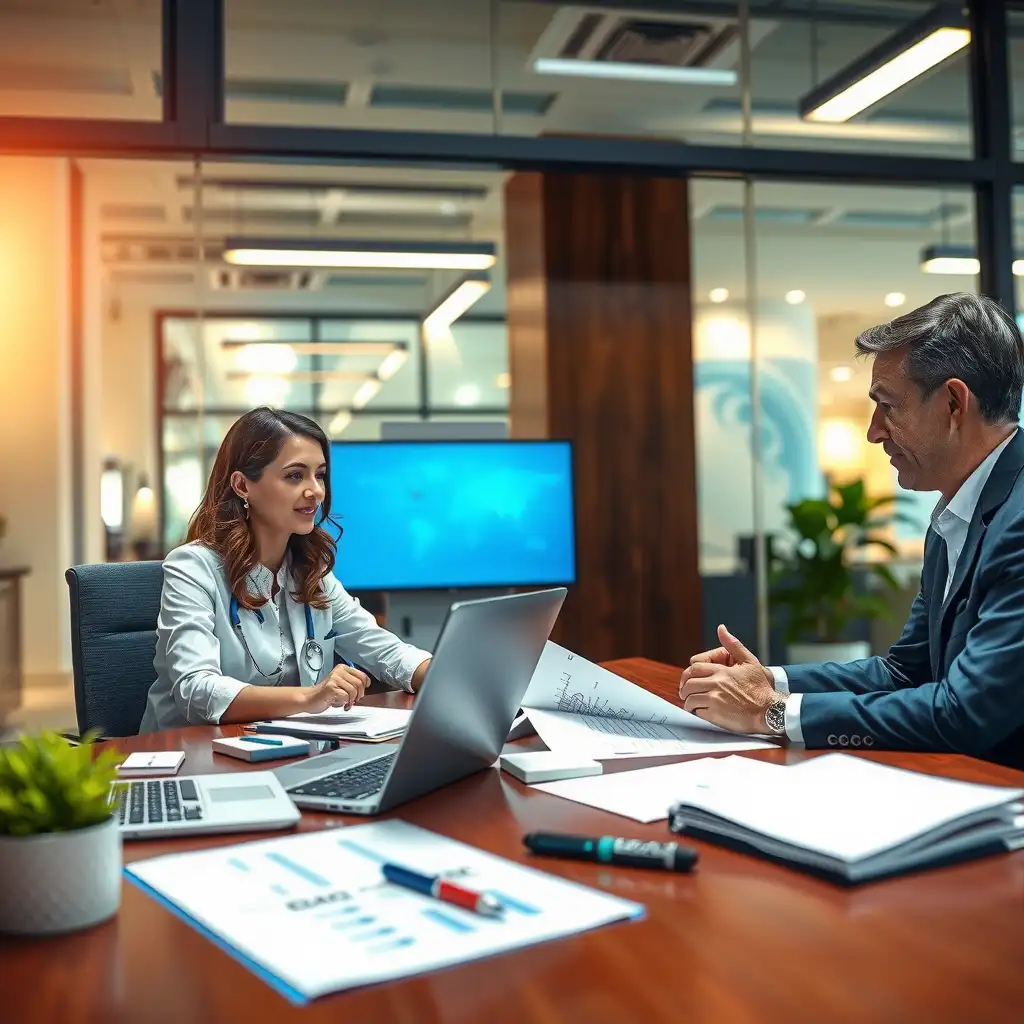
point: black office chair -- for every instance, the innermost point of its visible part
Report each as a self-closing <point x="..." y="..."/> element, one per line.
<point x="114" y="610"/>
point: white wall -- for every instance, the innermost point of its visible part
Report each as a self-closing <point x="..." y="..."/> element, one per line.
<point x="35" y="460"/>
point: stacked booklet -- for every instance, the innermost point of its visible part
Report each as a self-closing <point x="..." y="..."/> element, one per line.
<point x="845" y="818"/>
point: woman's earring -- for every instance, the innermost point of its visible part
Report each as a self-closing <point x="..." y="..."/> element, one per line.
<point x="245" y="505"/>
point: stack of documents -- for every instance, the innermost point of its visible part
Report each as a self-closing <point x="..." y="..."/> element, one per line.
<point x="579" y="708"/>
<point x="313" y="913"/>
<point x="364" y="723"/>
<point x="845" y="818"/>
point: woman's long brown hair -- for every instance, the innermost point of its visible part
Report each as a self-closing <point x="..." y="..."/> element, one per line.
<point x="252" y="443"/>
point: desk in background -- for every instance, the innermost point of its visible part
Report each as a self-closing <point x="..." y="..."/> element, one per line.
<point x="740" y="940"/>
<point x="10" y="638"/>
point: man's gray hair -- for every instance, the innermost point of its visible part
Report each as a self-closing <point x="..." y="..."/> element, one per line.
<point x="967" y="337"/>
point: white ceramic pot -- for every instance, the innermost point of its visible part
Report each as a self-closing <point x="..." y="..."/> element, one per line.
<point x="60" y="881"/>
<point x="812" y="654"/>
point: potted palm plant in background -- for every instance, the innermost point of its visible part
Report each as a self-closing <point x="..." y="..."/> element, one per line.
<point x="817" y="581"/>
<point x="60" y="845"/>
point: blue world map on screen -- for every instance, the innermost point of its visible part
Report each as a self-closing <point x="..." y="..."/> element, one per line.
<point x="421" y="515"/>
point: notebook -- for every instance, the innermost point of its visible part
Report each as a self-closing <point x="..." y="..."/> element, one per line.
<point x="847" y="819"/>
<point x="145" y="763"/>
<point x="363" y="724"/>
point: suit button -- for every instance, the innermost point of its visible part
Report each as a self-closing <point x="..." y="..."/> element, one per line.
<point x="854" y="741"/>
<point x="868" y="741"/>
<point x="844" y="740"/>
<point x="832" y="740"/>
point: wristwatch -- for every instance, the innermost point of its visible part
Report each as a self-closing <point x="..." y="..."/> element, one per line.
<point x="775" y="717"/>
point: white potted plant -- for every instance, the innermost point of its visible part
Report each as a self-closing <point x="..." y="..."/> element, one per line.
<point x="815" y="583"/>
<point x="60" y="846"/>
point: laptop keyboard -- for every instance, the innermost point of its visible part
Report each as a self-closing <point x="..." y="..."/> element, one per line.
<point x="155" y="801"/>
<point x="355" y="783"/>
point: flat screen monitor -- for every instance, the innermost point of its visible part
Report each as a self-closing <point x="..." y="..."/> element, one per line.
<point x="420" y="515"/>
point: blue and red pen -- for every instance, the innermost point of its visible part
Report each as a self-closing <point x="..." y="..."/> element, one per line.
<point x="441" y="889"/>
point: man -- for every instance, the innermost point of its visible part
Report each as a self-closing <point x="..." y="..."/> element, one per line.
<point x="946" y="383"/>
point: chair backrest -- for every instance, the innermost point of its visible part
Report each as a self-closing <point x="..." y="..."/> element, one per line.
<point x="114" y="610"/>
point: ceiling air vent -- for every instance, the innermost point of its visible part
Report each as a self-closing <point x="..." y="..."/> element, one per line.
<point x="265" y="279"/>
<point x="689" y="40"/>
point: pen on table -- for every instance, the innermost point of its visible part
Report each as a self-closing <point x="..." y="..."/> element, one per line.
<point x="265" y="740"/>
<point x="635" y="853"/>
<point x="441" y="889"/>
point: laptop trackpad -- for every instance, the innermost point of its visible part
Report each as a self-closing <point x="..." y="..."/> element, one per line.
<point x="323" y="764"/>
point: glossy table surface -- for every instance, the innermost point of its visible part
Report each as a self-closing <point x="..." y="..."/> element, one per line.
<point x="740" y="940"/>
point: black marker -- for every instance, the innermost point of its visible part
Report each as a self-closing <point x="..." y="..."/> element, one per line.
<point x="634" y="853"/>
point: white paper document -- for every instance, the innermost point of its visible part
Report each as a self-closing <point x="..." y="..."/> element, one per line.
<point x="313" y="914"/>
<point x="643" y="795"/>
<point x="580" y="708"/>
<point x="360" y="722"/>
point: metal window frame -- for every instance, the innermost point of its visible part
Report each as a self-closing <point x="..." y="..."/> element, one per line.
<point x="193" y="126"/>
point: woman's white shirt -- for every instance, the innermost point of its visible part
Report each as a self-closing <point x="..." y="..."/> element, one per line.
<point x="201" y="663"/>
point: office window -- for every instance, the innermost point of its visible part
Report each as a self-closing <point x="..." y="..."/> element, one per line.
<point x="526" y="67"/>
<point x="81" y="59"/>
<point x="829" y="261"/>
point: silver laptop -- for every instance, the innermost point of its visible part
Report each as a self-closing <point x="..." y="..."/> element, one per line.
<point x="192" y="804"/>
<point x="484" y="661"/>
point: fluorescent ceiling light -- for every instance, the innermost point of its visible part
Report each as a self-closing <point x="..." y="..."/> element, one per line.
<point x="950" y="259"/>
<point x="897" y="60"/>
<point x="303" y="376"/>
<point x="795" y="297"/>
<point x="895" y="299"/>
<point x="366" y="393"/>
<point x="266" y="358"/>
<point x="454" y="303"/>
<point x="323" y="348"/>
<point x="718" y="294"/>
<point x="466" y="395"/>
<point x="841" y="373"/>
<point x="631" y="72"/>
<point x="339" y="423"/>
<point x="291" y="252"/>
<point x="391" y="364"/>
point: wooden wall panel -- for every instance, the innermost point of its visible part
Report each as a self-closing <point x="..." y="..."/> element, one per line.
<point x="599" y="317"/>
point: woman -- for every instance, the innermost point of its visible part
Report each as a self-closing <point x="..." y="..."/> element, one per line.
<point x="251" y="614"/>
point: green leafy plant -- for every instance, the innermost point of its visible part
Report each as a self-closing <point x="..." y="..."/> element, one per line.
<point x="49" y="785"/>
<point x="816" y="582"/>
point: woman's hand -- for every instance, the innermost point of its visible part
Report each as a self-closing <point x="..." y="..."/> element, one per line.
<point x="341" y="689"/>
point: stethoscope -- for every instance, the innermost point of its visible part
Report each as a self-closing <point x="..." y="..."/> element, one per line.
<point x="312" y="652"/>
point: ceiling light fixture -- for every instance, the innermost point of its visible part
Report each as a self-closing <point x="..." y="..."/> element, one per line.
<point x="503" y="380"/>
<point x="957" y="259"/>
<point x="634" y="72"/>
<point x="895" y="299"/>
<point x="295" y="252"/>
<point x="897" y="60"/>
<point x="950" y="259"/>
<point x="339" y="423"/>
<point x="718" y="294"/>
<point x="795" y="297"/>
<point x="391" y="365"/>
<point x="841" y="373"/>
<point x="466" y="395"/>
<point x="455" y="302"/>
<point x="303" y="376"/>
<point x="322" y="348"/>
<point x="366" y="393"/>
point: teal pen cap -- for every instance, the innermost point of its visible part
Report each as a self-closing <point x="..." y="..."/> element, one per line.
<point x="265" y="740"/>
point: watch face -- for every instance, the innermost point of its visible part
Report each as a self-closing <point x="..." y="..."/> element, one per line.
<point x="775" y="717"/>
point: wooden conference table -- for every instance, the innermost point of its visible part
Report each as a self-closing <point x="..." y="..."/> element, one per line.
<point x="739" y="941"/>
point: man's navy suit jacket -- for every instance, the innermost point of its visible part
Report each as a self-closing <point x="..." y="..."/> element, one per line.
<point x="954" y="681"/>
